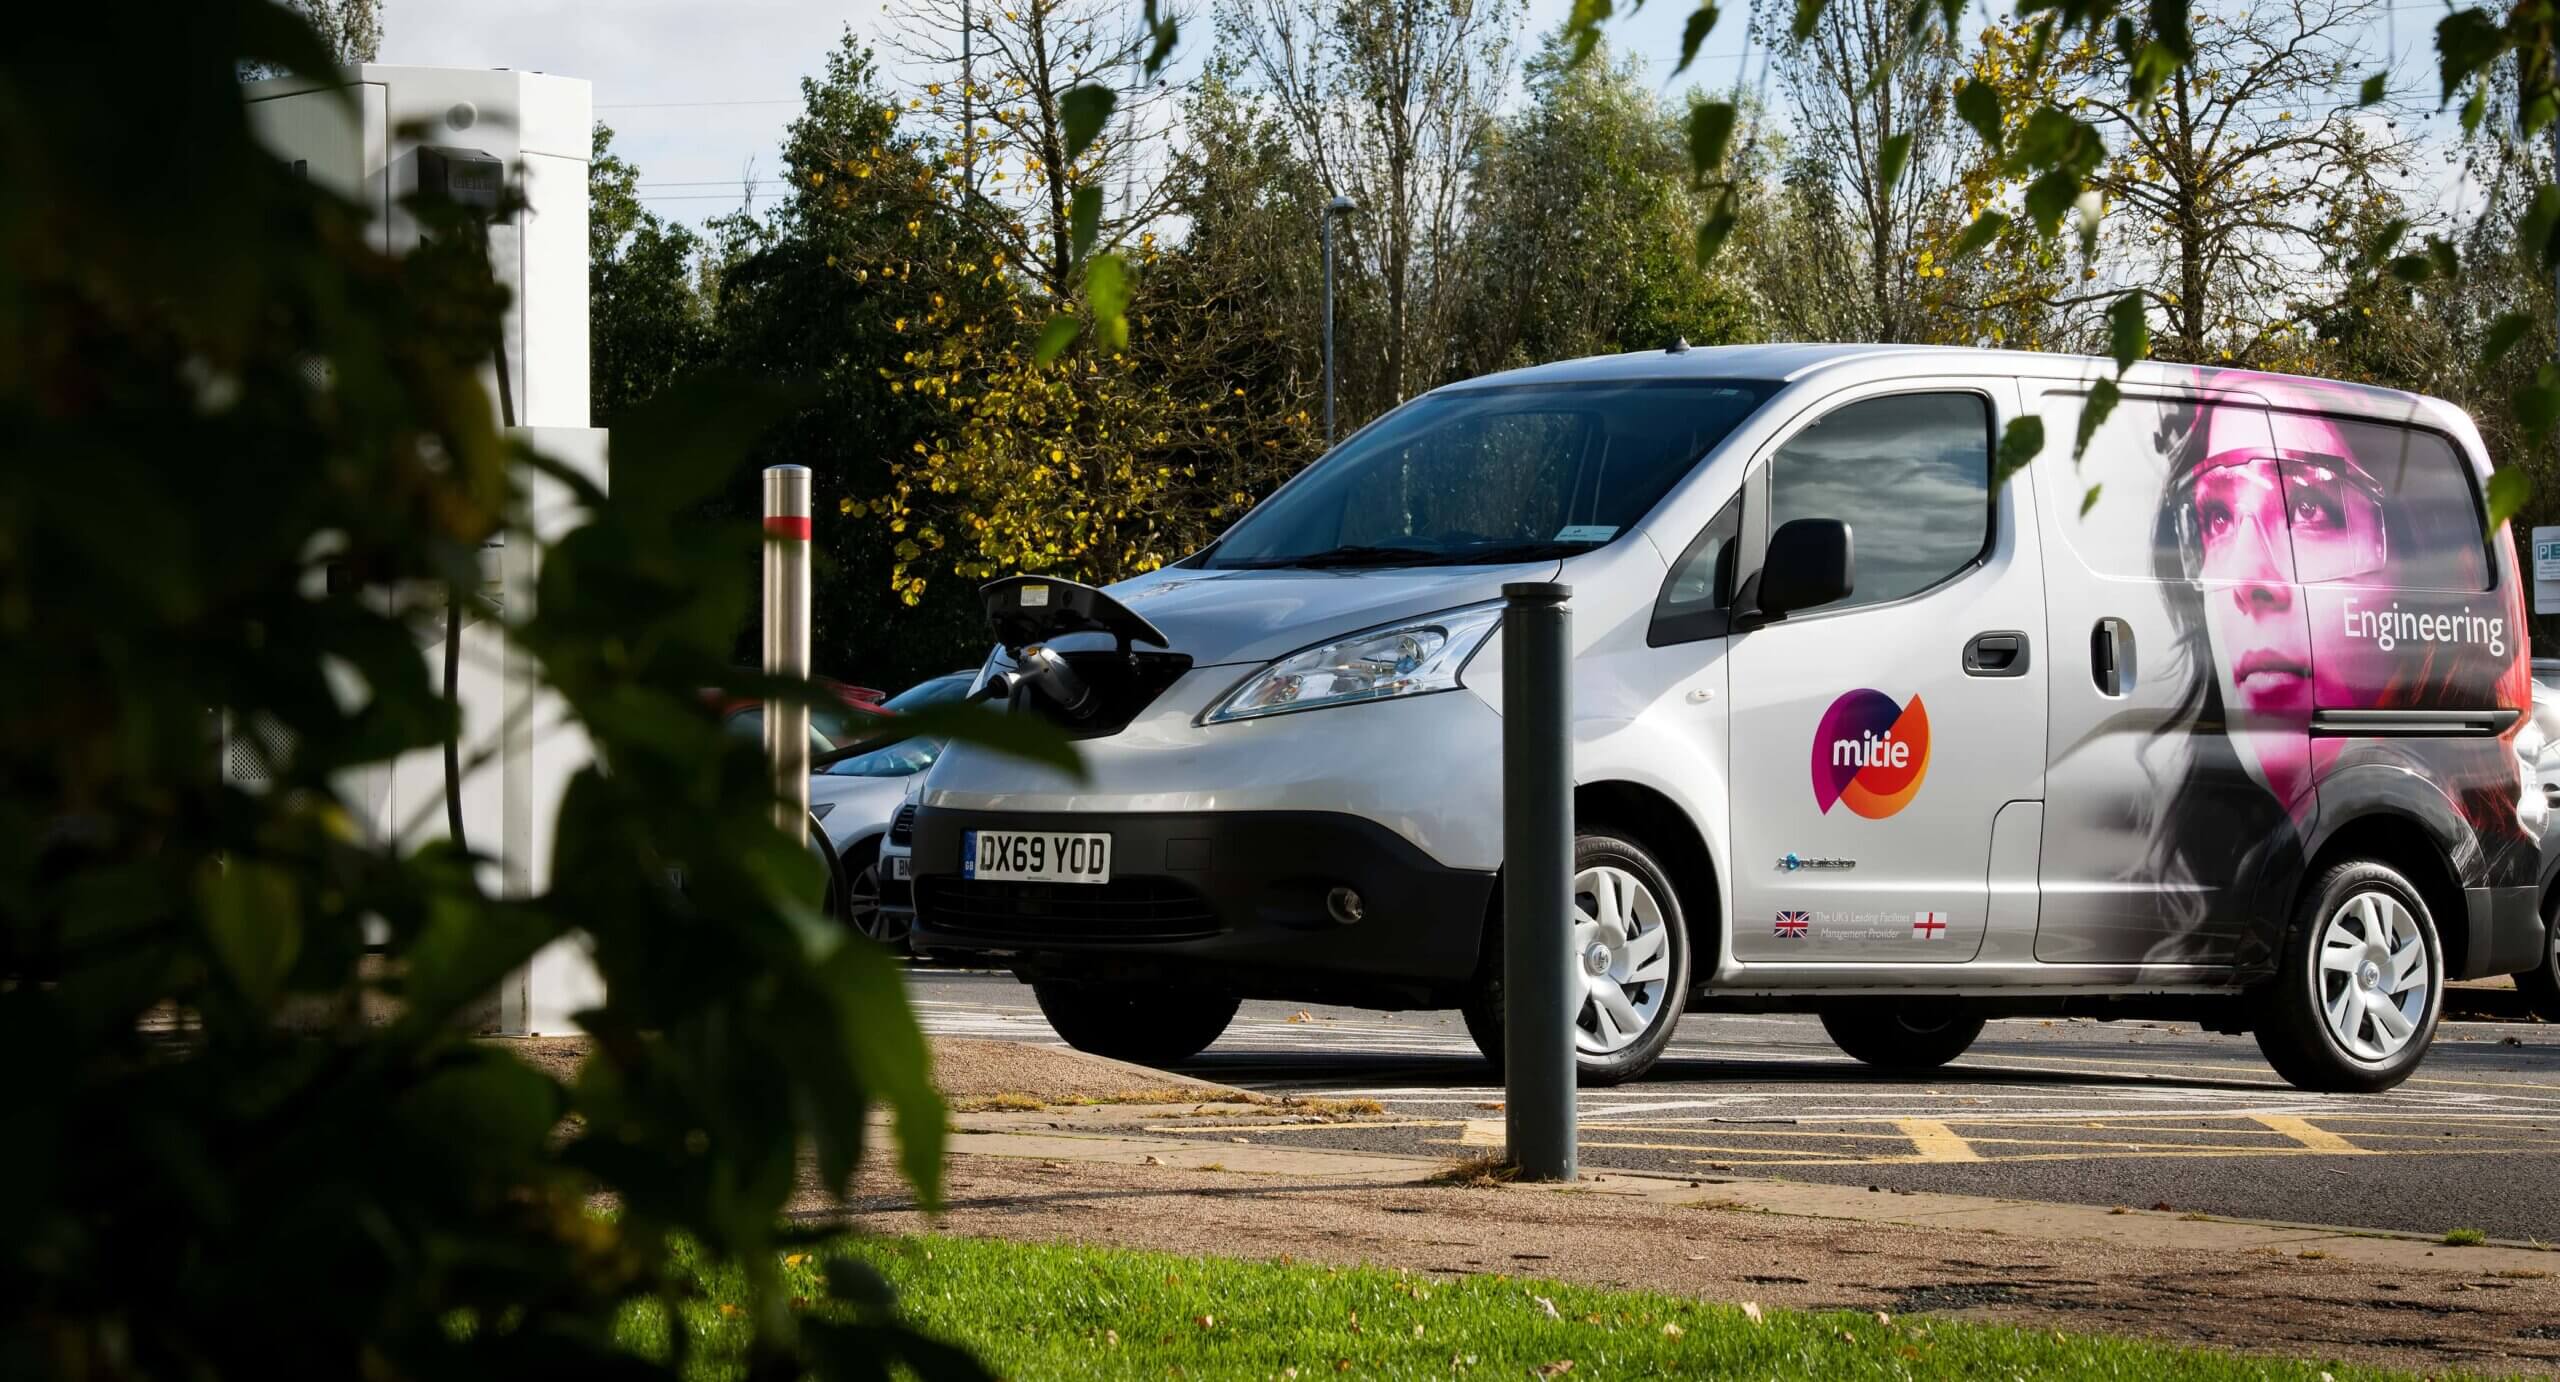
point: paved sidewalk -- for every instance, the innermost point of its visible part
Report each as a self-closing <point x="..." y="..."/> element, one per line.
<point x="1106" y="1175"/>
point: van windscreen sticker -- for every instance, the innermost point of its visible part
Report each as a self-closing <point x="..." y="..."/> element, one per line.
<point x="1870" y="753"/>
<point x="1586" y="532"/>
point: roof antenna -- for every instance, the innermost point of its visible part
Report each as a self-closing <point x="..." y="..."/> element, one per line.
<point x="1679" y="346"/>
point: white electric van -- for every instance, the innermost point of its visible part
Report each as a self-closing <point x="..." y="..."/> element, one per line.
<point x="2223" y="719"/>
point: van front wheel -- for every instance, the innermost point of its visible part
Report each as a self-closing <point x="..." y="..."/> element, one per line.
<point x="1902" y="1034"/>
<point x="2359" y="985"/>
<point x="1629" y="965"/>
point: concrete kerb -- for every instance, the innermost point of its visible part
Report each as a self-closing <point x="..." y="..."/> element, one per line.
<point x="1102" y="1135"/>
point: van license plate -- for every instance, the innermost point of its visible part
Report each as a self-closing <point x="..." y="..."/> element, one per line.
<point x="898" y="865"/>
<point x="1034" y="856"/>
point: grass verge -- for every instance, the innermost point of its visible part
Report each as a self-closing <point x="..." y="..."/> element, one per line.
<point x="1038" y="1311"/>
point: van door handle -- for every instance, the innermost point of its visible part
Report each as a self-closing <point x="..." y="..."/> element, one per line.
<point x="2002" y="654"/>
<point x="2111" y="656"/>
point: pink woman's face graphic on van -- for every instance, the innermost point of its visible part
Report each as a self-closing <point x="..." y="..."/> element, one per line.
<point x="2235" y="515"/>
<point x="1870" y="754"/>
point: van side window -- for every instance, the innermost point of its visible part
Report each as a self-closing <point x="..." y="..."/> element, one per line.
<point x="1696" y="597"/>
<point x="1911" y="476"/>
<point x="2374" y="504"/>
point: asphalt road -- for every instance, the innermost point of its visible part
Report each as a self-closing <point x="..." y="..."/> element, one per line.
<point x="2141" y="1114"/>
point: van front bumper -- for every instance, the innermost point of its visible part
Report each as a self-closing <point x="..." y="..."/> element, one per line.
<point x="1237" y="900"/>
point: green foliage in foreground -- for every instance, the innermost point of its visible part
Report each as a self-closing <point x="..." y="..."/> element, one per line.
<point x="1049" y="1310"/>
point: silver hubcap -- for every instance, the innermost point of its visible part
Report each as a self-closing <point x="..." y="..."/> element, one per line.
<point x="1625" y="955"/>
<point x="2374" y="977"/>
<point x="862" y="901"/>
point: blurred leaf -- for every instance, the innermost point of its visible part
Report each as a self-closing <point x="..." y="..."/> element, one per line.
<point x="2103" y="397"/>
<point x="2510" y="489"/>
<point x="2019" y="443"/>
<point x="253" y="918"/>
<point x="1106" y="289"/>
<point x="2504" y="333"/>
<point x="2089" y="500"/>
<point x="1808" y="17"/>
<point x="2169" y="29"/>
<point x="1891" y="158"/>
<point x="1582" y="25"/>
<point x="1084" y="220"/>
<point x="1985" y="229"/>
<point x="858" y="1283"/>
<point x="2467" y="42"/>
<point x="1701" y="22"/>
<point x="1163" y="31"/>
<point x="1978" y="105"/>
<point x="1710" y="133"/>
<point x="889" y="1056"/>
<point x="674" y="450"/>
<point x="1716" y="229"/>
<point x="1082" y="111"/>
<point x="1027" y="737"/>
<point x="2371" y="91"/>
<point x="2128" y="332"/>
<point x="2538" y="403"/>
<point x="1056" y="336"/>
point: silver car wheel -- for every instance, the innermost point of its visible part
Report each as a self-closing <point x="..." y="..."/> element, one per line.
<point x="1622" y="952"/>
<point x="862" y="901"/>
<point x="2374" y="977"/>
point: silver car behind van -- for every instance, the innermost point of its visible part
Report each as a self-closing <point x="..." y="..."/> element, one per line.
<point x="2222" y="719"/>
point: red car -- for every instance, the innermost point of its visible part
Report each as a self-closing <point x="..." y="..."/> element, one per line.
<point x="829" y="726"/>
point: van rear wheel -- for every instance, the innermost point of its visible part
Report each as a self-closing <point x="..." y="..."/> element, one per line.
<point x="1630" y="963"/>
<point x="1902" y="1034"/>
<point x="1147" y="1024"/>
<point x="2359" y="985"/>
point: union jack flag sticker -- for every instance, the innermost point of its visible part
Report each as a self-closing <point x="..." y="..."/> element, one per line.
<point x="1792" y="925"/>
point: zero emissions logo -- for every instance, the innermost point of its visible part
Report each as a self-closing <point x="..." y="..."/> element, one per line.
<point x="1870" y="754"/>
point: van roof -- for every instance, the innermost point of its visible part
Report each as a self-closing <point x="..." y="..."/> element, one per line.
<point x="1792" y="363"/>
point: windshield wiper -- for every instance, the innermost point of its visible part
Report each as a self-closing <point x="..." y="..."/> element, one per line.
<point x="1340" y="556"/>
<point x="1491" y="551"/>
<point x="1497" y="553"/>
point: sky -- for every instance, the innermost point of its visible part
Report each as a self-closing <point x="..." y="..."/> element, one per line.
<point x="696" y="90"/>
<point x="699" y="91"/>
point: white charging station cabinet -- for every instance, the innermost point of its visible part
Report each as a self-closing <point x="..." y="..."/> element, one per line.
<point x="370" y="133"/>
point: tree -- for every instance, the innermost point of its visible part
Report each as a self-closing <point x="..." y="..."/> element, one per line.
<point x="998" y="105"/>
<point x="2015" y="288"/>
<point x="1871" y="108"/>
<point x="1390" y="102"/>
<point x="647" y="323"/>
<point x="350" y="29"/>
<point x="834" y="285"/>
<point x="2250" y="161"/>
<point x="1793" y="245"/>
<point x="1583" y="227"/>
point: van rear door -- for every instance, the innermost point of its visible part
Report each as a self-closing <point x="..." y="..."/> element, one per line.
<point x="2181" y="695"/>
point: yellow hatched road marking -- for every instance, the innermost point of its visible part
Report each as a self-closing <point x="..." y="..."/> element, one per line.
<point x="2317" y="1139"/>
<point x="1484" y="1132"/>
<point x="1935" y="1141"/>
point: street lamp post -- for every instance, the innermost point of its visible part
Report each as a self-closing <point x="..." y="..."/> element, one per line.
<point x="1333" y="210"/>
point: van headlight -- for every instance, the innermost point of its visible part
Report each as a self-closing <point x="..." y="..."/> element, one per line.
<point x="1408" y="660"/>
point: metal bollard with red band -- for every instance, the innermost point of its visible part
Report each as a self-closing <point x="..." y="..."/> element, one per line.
<point x="786" y="640"/>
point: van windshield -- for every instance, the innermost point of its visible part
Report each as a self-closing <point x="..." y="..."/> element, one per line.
<point x="1508" y="473"/>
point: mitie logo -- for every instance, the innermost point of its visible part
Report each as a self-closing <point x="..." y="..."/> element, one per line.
<point x="1870" y="754"/>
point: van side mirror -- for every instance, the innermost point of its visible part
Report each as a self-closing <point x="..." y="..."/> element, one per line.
<point x="1811" y="562"/>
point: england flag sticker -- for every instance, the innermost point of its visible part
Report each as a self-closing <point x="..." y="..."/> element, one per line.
<point x="1929" y="926"/>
